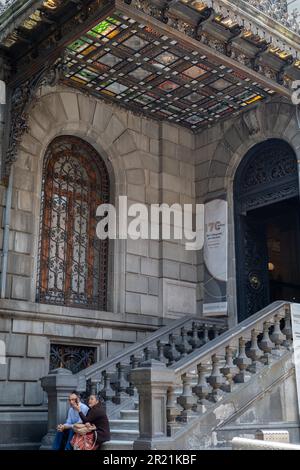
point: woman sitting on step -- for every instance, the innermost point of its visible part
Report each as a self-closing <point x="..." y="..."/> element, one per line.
<point x="94" y="428"/>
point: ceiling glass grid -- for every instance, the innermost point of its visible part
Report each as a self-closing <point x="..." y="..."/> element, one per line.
<point x="148" y="72"/>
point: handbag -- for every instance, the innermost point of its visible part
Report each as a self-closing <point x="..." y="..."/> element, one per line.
<point x="84" y="438"/>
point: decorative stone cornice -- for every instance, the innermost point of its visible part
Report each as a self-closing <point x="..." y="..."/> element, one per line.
<point x="277" y="9"/>
<point x="237" y="20"/>
<point x="5" y="4"/>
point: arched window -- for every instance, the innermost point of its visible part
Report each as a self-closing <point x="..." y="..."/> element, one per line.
<point x="73" y="261"/>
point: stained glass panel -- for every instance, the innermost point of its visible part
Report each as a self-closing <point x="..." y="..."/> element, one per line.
<point x="125" y="61"/>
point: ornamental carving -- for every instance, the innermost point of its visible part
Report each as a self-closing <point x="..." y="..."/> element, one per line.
<point x="216" y="7"/>
<point x="22" y="98"/>
<point x="73" y="358"/>
<point x="272" y="166"/>
<point x="5" y="4"/>
<point x="278" y="10"/>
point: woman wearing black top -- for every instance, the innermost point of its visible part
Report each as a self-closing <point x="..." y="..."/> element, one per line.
<point x="97" y="416"/>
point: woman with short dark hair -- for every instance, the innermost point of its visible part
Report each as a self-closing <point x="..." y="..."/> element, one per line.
<point x="96" y="416"/>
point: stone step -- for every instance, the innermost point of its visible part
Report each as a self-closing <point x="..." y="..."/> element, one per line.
<point x="129" y="414"/>
<point x="117" y="445"/>
<point x="124" y="434"/>
<point x="124" y="424"/>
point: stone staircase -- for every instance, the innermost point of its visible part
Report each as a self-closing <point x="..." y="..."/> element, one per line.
<point x="195" y="385"/>
<point x="168" y="345"/>
<point x="124" y="430"/>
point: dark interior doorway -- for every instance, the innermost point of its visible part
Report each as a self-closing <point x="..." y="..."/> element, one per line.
<point x="280" y="230"/>
<point x="267" y="227"/>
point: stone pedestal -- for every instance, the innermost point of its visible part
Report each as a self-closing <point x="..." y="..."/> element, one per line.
<point x="152" y="381"/>
<point x="58" y="385"/>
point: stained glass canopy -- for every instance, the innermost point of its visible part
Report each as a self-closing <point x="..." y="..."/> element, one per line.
<point x="147" y="71"/>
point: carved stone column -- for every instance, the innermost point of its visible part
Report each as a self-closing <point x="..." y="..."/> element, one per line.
<point x="58" y="385"/>
<point x="152" y="380"/>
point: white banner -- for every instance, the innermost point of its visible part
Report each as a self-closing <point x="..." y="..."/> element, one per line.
<point x="215" y="244"/>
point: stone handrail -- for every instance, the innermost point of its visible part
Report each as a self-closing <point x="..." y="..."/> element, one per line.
<point x="241" y="443"/>
<point x="202" y="378"/>
<point x="138" y="348"/>
<point x="232" y="336"/>
<point x="111" y="378"/>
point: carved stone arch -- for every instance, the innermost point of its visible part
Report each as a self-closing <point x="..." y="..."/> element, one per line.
<point x="268" y="173"/>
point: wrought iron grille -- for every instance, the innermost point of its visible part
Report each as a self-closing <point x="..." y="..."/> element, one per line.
<point x="268" y="174"/>
<point x="73" y="262"/>
<point x="74" y="358"/>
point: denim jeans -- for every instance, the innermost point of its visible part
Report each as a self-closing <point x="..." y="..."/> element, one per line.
<point x="62" y="440"/>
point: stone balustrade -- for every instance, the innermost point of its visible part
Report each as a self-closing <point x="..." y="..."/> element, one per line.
<point x="114" y="382"/>
<point x="197" y="380"/>
<point x="112" y="379"/>
<point x="178" y="373"/>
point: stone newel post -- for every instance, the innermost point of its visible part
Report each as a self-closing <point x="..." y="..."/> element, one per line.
<point x="152" y="380"/>
<point x="58" y="385"/>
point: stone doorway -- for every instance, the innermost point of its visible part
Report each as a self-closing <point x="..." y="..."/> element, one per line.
<point x="267" y="233"/>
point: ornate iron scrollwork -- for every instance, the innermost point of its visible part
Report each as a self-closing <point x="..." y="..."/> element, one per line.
<point x="255" y="281"/>
<point x="73" y="358"/>
<point x="270" y="176"/>
<point x="73" y="260"/>
<point x="21" y="99"/>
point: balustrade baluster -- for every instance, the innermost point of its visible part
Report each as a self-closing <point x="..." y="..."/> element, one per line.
<point x="121" y="384"/>
<point x="134" y="361"/>
<point x="202" y="389"/>
<point x="147" y="355"/>
<point x="184" y="347"/>
<point x="277" y="336"/>
<point x="254" y="353"/>
<point x="160" y="351"/>
<point x="195" y="341"/>
<point x="215" y="331"/>
<point x="266" y="344"/>
<point x="287" y="330"/>
<point x="242" y="362"/>
<point x="215" y="379"/>
<point x="205" y="334"/>
<point x="187" y="400"/>
<point x="229" y="370"/>
<point x="173" y="411"/>
<point x="91" y="387"/>
<point x="173" y="354"/>
<point x="107" y="393"/>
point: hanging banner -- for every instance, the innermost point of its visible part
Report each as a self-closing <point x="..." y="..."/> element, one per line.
<point x="215" y="258"/>
<point x="295" y="318"/>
